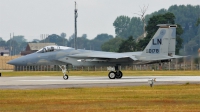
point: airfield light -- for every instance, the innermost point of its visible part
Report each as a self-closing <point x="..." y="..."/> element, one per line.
<point x="151" y="82"/>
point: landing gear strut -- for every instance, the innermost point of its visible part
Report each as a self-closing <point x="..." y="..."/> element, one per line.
<point x="117" y="74"/>
<point x="63" y="68"/>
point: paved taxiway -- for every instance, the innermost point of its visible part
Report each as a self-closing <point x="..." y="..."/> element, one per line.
<point x="32" y="82"/>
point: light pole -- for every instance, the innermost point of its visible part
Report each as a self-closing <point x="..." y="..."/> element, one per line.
<point x="75" y="26"/>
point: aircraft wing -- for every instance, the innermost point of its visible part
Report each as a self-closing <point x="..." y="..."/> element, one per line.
<point x="98" y="56"/>
<point x="103" y="56"/>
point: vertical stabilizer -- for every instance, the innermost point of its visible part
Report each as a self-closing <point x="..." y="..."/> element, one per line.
<point x="163" y="42"/>
<point x="172" y="40"/>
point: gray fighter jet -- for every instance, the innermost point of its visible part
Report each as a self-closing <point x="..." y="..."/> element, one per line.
<point x="161" y="48"/>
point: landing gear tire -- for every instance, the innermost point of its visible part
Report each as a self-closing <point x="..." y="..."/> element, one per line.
<point x="111" y="75"/>
<point x="119" y="75"/>
<point x="65" y="77"/>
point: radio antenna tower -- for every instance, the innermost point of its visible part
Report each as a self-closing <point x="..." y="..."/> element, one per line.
<point x="75" y="32"/>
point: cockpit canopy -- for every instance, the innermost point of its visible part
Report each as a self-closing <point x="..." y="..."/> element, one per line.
<point x="52" y="48"/>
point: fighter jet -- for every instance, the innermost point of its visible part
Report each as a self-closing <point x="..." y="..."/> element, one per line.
<point x="161" y="48"/>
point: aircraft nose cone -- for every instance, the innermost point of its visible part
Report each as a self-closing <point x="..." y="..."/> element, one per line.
<point x="17" y="61"/>
<point x="13" y="62"/>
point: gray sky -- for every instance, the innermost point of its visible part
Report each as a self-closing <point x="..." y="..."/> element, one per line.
<point x="34" y="17"/>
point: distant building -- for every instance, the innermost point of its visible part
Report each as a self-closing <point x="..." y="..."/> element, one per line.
<point x="4" y="52"/>
<point x="33" y="47"/>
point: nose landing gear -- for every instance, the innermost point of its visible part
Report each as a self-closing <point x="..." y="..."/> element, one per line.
<point x="64" y="69"/>
<point x="65" y="76"/>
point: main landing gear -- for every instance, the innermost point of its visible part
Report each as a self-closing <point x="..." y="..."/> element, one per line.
<point x="64" y="69"/>
<point x="114" y="72"/>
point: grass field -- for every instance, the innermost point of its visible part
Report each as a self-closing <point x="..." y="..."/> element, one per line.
<point x="163" y="98"/>
<point x="174" y="98"/>
<point x="102" y="73"/>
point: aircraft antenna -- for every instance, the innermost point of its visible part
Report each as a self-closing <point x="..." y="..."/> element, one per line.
<point x="75" y="32"/>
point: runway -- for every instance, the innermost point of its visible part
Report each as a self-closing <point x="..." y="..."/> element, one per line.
<point x="47" y="82"/>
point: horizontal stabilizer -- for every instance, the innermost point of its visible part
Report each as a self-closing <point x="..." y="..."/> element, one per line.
<point x="153" y="58"/>
<point x="133" y="58"/>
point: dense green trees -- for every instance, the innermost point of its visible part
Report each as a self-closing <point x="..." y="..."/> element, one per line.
<point x="126" y="27"/>
<point x="1" y="39"/>
<point x="2" y="43"/>
<point x="99" y="40"/>
<point x="18" y="43"/>
<point x="179" y="40"/>
<point x="19" y="38"/>
<point x="63" y="35"/>
<point x="198" y="22"/>
<point x="14" y="45"/>
<point x="186" y="16"/>
<point x="82" y="42"/>
<point x="128" y="45"/>
<point x="94" y="44"/>
<point x="54" y="38"/>
<point x="121" y="26"/>
<point x="112" y="45"/>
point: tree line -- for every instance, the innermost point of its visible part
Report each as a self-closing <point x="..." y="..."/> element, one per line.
<point x="187" y="17"/>
<point x="18" y="43"/>
<point x="130" y="44"/>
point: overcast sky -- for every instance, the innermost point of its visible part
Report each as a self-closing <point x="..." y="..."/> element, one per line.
<point x="32" y="18"/>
